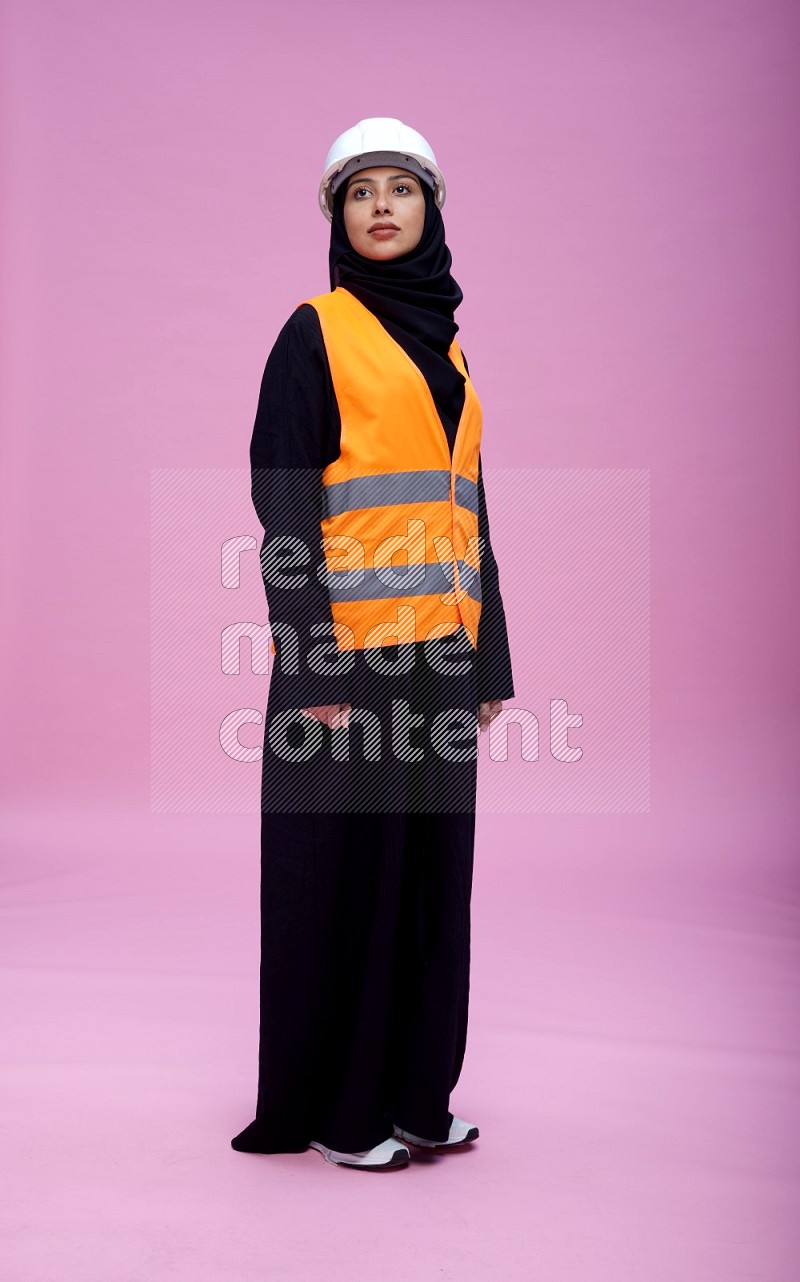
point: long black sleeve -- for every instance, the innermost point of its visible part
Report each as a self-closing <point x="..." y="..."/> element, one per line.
<point x="289" y="448"/>
<point x="495" y="678"/>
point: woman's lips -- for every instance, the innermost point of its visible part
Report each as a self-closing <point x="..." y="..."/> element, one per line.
<point x="383" y="232"/>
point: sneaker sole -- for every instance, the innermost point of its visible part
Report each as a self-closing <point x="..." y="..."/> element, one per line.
<point x="472" y="1134"/>
<point x="396" y="1161"/>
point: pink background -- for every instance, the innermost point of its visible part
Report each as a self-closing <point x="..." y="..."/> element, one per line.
<point x="623" y="196"/>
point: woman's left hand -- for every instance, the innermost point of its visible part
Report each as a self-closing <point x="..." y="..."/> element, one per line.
<point x="487" y="713"/>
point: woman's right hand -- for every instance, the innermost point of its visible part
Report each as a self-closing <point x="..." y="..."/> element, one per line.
<point x="332" y="714"/>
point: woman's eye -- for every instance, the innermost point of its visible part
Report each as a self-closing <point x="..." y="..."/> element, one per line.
<point x="357" y="190"/>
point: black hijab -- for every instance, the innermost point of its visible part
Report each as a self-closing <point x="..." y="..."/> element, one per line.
<point x="414" y="297"/>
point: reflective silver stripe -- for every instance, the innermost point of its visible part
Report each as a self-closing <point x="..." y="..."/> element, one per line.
<point x="385" y="489"/>
<point x="388" y="489"/>
<point x="470" y="578"/>
<point x="467" y="493"/>
<point x="399" y="581"/>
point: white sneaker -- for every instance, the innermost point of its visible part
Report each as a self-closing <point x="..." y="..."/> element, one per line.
<point x="389" y="1153"/>
<point x="461" y="1132"/>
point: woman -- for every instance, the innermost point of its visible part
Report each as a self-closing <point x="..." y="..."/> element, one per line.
<point x="368" y="430"/>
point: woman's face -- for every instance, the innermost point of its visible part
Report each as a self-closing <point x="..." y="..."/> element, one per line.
<point x="384" y="197"/>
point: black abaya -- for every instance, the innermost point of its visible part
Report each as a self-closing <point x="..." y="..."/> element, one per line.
<point x="366" y="866"/>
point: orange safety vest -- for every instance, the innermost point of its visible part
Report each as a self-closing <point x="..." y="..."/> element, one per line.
<point x="394" y="489"/>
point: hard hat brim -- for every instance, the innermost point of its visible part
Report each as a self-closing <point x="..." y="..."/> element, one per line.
<point x="338" y="172"/>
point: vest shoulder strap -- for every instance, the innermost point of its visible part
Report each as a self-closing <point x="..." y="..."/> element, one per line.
<point x="335" y="301"/>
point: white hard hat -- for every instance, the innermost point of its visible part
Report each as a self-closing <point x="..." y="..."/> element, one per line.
<point x="379" y="140"/>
